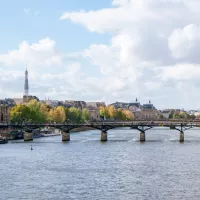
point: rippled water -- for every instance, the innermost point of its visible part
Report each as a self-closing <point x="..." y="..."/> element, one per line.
<point x="119" y="169"/>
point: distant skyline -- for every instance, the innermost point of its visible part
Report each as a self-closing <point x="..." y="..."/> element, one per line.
<point x="108" y="50"/>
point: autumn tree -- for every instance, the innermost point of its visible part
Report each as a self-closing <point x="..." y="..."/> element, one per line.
<point x="120" y="114"/>
<point x="62" y="113"/>
<point x="111" y="111"/>
<point x="104" y="112"/>
<point x="129" y="115"/>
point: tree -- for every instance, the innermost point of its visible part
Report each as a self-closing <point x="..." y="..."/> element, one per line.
<point x="36" y="116"/>
<point x="176" y="115"/>
<point x="62" y="113"/>
<point x="20" y="113"/>
<point x="183" y="115"/>
<point x="74" y="115"/>
<point x="120" y="114"/>
<point x="57" y="115"/>
<point x="45" y="109"/>
<point x="104" y="112"/>
<point x="192" y="117"/>
<point x="66" y="114"/>
<point x="85" y="115"/>
<point x="111" y="111"/>
<point x="129" y="115"/>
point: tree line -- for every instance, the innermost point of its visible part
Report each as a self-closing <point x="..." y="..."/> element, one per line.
<point x="109" y="112"/>
<point x="180" y="115"/>
<point x="36" y="112"/>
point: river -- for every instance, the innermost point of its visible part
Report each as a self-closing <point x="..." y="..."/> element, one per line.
<point x="120" y="169"/>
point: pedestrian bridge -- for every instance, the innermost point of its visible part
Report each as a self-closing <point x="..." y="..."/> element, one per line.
<point x="104" y="127"/>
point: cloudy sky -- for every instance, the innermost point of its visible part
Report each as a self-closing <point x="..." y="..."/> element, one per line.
<point x="106" y="50"/>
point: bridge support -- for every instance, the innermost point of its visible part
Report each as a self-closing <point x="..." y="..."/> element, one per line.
<point x="142" y="136"/>
<point x="103" y="136"/>
<point x="28" y="136"/>
<point x="181" y="136"/>
<point x="65" y="136"/>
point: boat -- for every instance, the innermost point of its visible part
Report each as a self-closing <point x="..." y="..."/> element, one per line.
<point x="3" y="140"/>
<point x="49" y="133"/>
<point x="16" y="135"/>
<point x="37" y="134"/>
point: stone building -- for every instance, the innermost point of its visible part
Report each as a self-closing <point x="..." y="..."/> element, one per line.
<point x="77" y="104"/>
<point x="5" y="107"/>
<point x="94" y="109"/>
<point x="141" y="112"/>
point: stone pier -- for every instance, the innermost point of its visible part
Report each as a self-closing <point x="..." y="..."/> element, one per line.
<point x="103" y="136"/>
<point x="142" y="136"/>
<point x="65" y="136"/>
<point x="28" y="136"/>
<point x="181" y="136"/>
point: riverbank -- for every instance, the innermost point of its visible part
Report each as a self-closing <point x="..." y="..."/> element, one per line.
<point x="11" y="136"/>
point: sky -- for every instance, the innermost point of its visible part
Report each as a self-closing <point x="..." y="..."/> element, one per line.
<point x="108" y="50"/>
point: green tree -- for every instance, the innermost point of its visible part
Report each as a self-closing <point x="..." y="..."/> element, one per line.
<point x="85" y="115"/>
<point x="20" y="113"/>
<point x="36" y="116"/>
<point x="74" y="115"/>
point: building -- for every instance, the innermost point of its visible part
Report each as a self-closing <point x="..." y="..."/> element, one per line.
<point x="77" y="104"/>
<point x="5" y="107"/>
<point x="165" y="113"/>
<point x="141" y="112"/>
<point x="94" y="109"/>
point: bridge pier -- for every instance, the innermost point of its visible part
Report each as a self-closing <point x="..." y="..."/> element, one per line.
<point x="103" y="136"/>
<point x="181" y="136"/>
<point x="142" y="136"/>
<point x="65" y="136"/>
<point x="28" y="136"/>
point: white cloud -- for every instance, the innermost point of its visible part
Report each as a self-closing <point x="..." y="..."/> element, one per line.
<point x="181" y="72"/>
<point x="185" y="42"/>
<point x="43" y="53"/>
<point x="153" y="50"/>
<point x="152" y="54"/>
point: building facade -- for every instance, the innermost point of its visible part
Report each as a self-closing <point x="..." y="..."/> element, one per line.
<point x="5" y="107"/>
<point x="141" y="112"/>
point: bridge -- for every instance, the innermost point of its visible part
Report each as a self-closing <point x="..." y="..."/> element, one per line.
<point x="104" y="127"/>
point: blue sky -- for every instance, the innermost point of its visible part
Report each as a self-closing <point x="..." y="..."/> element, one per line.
<point x="42" y="20"/>
<point x="102" y="50"/>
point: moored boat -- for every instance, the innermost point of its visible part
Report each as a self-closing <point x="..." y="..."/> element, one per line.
<point x="51" y="134"/>
<point x="3" y="140"/>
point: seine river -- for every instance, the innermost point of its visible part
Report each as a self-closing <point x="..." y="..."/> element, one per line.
<point x="120" y="169"/>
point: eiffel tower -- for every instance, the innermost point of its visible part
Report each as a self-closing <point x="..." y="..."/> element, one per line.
<point x="26" y="88"/>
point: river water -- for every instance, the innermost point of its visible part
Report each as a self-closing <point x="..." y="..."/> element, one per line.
<point x="121" y="168"/>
